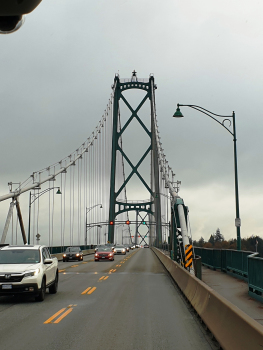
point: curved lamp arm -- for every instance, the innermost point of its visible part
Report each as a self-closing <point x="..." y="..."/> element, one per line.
<point x="210" y="114"/>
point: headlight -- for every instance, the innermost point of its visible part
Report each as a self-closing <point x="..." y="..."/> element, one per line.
<point x="32" y="273"/>
<point x="77" y="254"/>
<point x="64" y="255"/>
<point x="123" y="250"/>
<point x="96" y="254"/>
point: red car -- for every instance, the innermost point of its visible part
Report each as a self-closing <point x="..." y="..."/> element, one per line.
<point x="104" y="253"/>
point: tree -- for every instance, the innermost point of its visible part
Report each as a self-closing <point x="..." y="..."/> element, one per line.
<point x="212" y="239"/>
<point x="201" y="242"/>
<point x="218" y="236"/>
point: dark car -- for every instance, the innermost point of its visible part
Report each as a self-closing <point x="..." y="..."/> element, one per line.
<point x="127" y="246"/>
<point x="104" y="253"/>
<point x="73" y="253"/>
<point x="146" y="246"/>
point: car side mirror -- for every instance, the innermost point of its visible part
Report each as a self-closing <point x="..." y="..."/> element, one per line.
<point x="48" y="261"/>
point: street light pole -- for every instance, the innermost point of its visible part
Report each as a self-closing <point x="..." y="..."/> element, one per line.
<point x="32" y="201"/>
<point x="87" y="211"/>
<point x="211" y="115"/>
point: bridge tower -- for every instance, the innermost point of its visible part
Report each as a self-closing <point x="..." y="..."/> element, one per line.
<point x="151" y="207"/>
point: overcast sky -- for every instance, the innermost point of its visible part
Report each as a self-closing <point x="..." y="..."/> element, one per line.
<point x="56" y="76"/>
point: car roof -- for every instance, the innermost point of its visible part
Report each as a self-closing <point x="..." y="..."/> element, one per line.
<point x="26" y="246"/>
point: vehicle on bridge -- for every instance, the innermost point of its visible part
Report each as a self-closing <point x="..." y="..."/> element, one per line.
<point x="73" y="253"/>
<point x="127" y="246"/>
<point x="119" y="249"/>
<point x="28" y="270"/>
<point x="104" y="253"/>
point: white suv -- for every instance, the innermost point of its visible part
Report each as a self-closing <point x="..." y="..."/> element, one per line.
<point x="27" y="269"/>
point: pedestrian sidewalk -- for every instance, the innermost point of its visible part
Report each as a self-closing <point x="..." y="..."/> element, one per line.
<point x="235" y="291"/>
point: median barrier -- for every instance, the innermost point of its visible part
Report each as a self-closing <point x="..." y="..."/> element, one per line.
<point x="232" y="328"/>
<point x="59" y="256"/>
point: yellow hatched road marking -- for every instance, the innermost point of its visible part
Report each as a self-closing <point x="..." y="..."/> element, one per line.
<point x="61" y="270"/>
<point x="85" y="291"/>
<point x="74" y="265"/>
<point x="114" y="270"/>
<point x="63" y="315"/>
<point x="106" y="278"/>
<point x="101" y="278"/>
<point x="54" y="316"/>
<point x="84" y="262"/>
<point x="92" y="290"/>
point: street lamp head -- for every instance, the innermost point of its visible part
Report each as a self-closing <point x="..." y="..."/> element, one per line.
<point x="178" y="113"/>
<point x="58" y="191"/>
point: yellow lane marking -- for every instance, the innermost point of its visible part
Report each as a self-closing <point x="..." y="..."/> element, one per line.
<point x="114" y="270"/>
<point x="92" y="290"/>
<point x="85" y="291"/>
<point x="101" y="278"/>
<point x="54" y="316"/>
<point x="68" y="310"/>
<point x="63" y="315"/>
<point x="106" y="278"/>
<point x="84" y="262"/>
<point x="61" y="270"/>
<point x="74" y="265"/>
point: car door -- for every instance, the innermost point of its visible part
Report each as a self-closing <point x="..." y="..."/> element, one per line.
<point x="53" y="266"/>
<point x="47" y="267"/>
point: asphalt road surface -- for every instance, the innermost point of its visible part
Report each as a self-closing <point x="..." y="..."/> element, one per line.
<point x="130" y="303"/>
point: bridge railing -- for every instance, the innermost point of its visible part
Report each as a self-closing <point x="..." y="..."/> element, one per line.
<point x="61" y="249"/>
<point x="255" y="277"/>
<point x="239" y="263"/>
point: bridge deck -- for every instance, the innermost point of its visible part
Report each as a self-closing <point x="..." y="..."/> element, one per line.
<point x="234" y="290"/>
<point x="130" y="303"/>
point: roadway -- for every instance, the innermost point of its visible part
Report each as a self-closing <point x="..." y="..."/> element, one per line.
<point x="130" y="303"/>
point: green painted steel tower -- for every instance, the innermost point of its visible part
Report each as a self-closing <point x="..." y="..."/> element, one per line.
<point x="151" y="207"/>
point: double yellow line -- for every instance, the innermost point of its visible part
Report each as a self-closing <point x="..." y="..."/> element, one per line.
<point x="68" y="311"/>
<point x="89" y="290"/>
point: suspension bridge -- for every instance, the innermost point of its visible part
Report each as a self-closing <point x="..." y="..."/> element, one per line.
<point x="89" y="197"/>
<point x="118" y="187"/>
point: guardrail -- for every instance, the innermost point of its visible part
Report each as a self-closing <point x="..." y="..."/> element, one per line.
<point x="61" y="249"/>
<point x="238" y="263"/>
<point x="233" y="329"/>
<point x="234" y="262"/>
<point x="255" y="277"/>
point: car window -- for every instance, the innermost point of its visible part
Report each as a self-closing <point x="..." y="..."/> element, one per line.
<point x="19" y="256"/>
<point x="47" y="253"/>
<point x="44" y="254"/>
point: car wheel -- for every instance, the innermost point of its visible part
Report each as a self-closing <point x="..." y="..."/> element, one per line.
<point x="42" y="292"/>
<point x="64" y="260"/>
<point x="54" y="287"/>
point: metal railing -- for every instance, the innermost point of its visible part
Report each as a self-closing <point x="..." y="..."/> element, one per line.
<point x="242" y="264"/>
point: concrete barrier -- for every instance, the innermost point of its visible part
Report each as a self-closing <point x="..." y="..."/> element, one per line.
<point x="59" y="256"/>
<point x="233" y="329"/>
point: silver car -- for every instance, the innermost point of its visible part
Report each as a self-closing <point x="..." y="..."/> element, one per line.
<point x="120" y="249"/>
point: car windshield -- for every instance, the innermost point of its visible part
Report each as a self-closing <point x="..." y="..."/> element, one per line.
<point x="105" y="249"/>
<point x="19" y="256"/>
<point x="120" y="246"/>
<point x="72" y="249"/>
